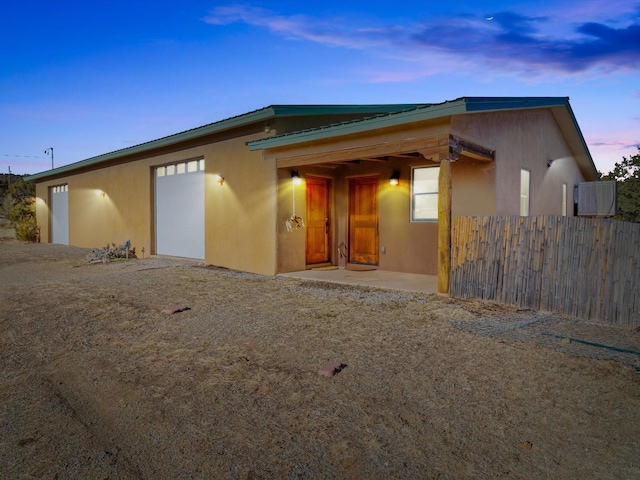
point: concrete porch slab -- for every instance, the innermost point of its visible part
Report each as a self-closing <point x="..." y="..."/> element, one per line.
<point x="410" y="282"/>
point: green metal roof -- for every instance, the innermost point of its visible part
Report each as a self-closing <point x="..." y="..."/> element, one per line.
<point x="419" y="113"/>
<point x="249" y="118"/>
<point x="559" y="105"/>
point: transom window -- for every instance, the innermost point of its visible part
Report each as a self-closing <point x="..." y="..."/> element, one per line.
<point x="180" y="168"/>
<point x="424" y="194"/>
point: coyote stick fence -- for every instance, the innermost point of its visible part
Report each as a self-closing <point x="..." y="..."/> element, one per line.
<point x="585" y="267"/>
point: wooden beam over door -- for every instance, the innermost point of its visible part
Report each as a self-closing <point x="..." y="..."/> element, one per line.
<point x="433" y="148"/>
<point x="436" y="149"/>
<point x="459" y="146"/>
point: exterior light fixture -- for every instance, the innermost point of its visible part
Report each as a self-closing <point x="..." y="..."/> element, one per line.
<point x="295" y="176"/>
<point x="549" y="162"/>
<point x="101" y="193"/>
<point x="220" y="178"/>
<point x="395" y="178"/>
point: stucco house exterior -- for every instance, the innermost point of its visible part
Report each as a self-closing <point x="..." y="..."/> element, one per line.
<point x="373" y="185"/>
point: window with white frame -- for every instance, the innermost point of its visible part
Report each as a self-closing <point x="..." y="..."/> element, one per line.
<point x="525" y="182"/>
<point x="424" y="194"/>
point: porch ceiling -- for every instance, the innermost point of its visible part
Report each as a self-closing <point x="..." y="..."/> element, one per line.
<point x="436" y="149"/>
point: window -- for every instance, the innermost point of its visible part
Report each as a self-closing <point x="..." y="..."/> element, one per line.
<point x="564" y="199"/>
<point x="524" y="192"/>
<point x="424" y="193"/>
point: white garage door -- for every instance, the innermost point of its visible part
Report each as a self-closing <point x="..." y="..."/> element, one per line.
<point x="60" y="214"/>
<point x="179" y="209"/>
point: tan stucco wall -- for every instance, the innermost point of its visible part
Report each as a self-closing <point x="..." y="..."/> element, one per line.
<point x="473" y="186"/>
<point x="524" y="140"/>
<point x="43" y="210"/>
<point x="290" y="244"/>
<point x="239" y="215"/>
<point x="121" y="214"/>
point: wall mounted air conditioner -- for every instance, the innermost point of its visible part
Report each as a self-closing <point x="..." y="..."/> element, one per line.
<point x="597" y="199"/>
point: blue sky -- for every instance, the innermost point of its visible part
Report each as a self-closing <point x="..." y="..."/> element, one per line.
<point x="93" y="76"/>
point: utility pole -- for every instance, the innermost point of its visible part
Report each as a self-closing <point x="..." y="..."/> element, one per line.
<point x="9" y="177"/>
<point x="46" y="152"/>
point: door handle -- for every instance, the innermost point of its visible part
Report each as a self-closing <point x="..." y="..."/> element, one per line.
<point x="326" y="226"/>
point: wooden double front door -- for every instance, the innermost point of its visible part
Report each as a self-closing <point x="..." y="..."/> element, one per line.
<point x="362" y="221"/>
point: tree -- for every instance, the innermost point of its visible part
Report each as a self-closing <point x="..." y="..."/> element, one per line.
<point x="6" y="179"/>
<point x="627" y="174"/>
<point x="20" y="207"/>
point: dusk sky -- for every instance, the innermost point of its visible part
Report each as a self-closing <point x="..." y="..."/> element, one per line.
<point x="93" y="76"/>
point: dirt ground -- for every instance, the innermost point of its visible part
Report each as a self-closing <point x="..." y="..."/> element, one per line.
<point x="98" y="383"/>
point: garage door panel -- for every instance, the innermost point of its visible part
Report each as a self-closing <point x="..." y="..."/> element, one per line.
<point x="60" y="214"/>
<point x="180" y="212"/>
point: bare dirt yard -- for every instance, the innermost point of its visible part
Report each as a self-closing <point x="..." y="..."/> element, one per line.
<point x="98" y="383"/>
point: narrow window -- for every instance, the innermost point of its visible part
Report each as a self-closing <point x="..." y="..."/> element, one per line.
<point x="424" y="193"/>
<point x="524" y="192"/>
<point x="181" y="168"/>
<point x="564" y="199"/>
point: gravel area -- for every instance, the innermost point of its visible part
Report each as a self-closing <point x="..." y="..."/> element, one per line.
<point x="98" y="383"/>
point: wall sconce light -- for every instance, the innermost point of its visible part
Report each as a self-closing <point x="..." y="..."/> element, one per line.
<point x="220" y="178"/>
<point x="395" y="178"/>
<point x="295" y="176"/>
<point x="549" y="162"/>
<point x="101" y="193"/>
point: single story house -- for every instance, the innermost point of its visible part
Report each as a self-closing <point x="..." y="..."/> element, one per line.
<point x="285" y="188"/>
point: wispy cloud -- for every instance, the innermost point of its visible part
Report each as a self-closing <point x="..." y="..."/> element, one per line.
<point x="609" y="144"/>
<point x="299" y="27"/>
<point x="547" y="42"/>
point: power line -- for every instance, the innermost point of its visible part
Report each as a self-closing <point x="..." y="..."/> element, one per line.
<point x="21" y="156"/>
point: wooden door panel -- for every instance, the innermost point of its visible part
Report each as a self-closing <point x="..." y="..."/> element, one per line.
<point x="318" y="221"/>
<point x="363" y="220"/>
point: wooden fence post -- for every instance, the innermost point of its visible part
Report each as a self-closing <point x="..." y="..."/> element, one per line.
<point x="444" y="226"/>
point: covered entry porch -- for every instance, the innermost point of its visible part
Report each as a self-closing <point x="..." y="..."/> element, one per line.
<point x="365" y="212"/>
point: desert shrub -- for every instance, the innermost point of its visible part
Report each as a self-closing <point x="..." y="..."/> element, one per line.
<point x="20" y="207"/>
<point x="27" y="230"/>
